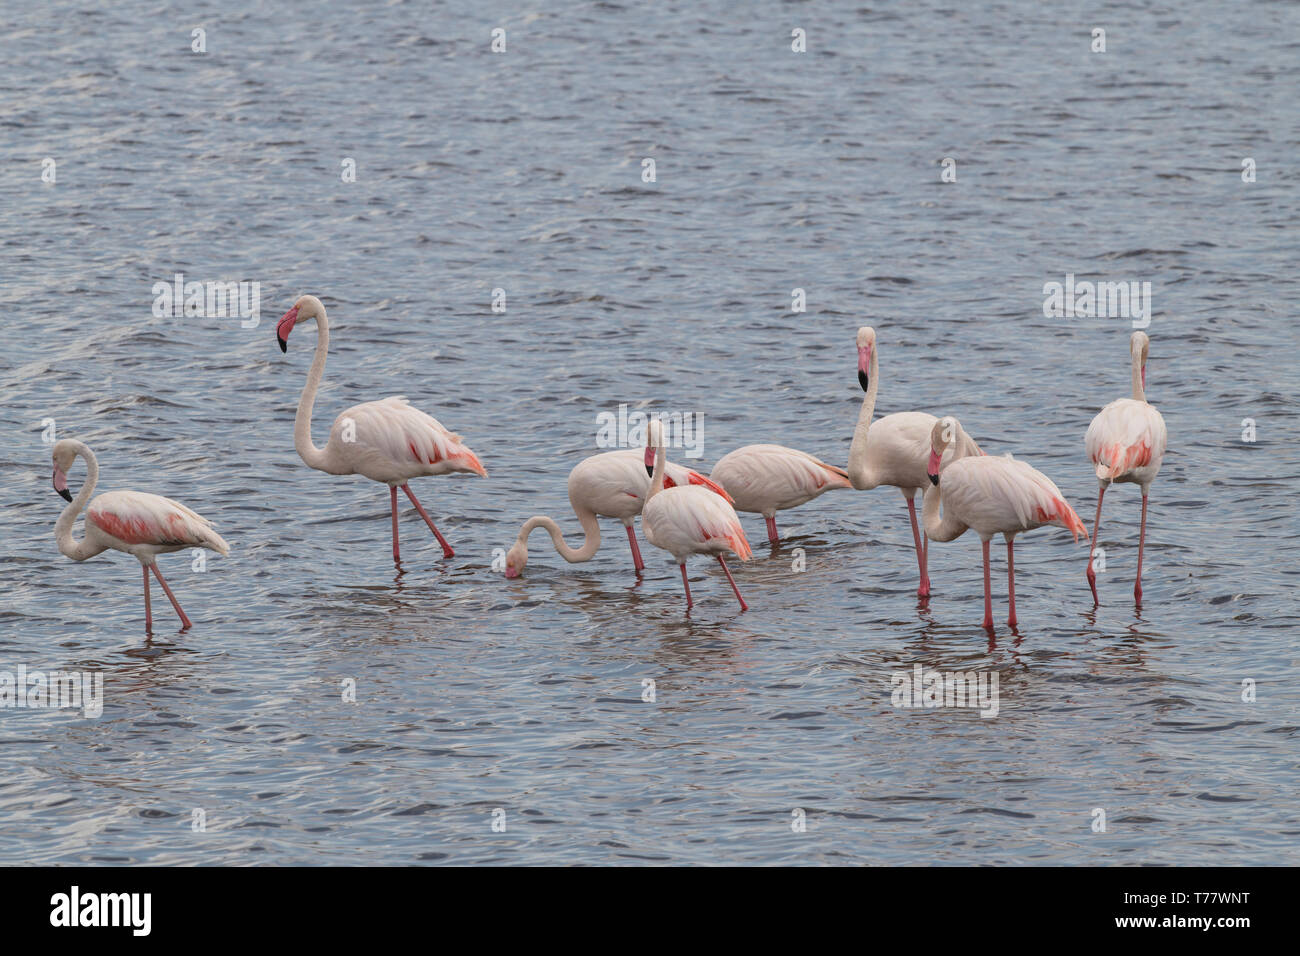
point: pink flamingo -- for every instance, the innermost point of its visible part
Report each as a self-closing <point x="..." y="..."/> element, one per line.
<point x="140" y="524"/>
<point x="688" y="519"/>
<point x="894" y="450"/>
<point x="766" y="479"/>
<point x="609" y="485"/>
<point x="387" y="441"/>
<point x="1127" y="441"/>
<point x="992" y="496"/>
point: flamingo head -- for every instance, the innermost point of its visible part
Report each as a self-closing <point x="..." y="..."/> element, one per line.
<point x="866" y="348"/>
<point x="307" y="307"/>
<point x="649" y="460"/>
<point x="1139" y="345"/>
<point x="943" y="434"/>
<point x="65" y="452"/>
<point x="516" y="560"/>
<point x="654" y="443"/>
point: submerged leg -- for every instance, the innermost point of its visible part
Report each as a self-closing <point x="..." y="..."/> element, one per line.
<point x="185" y="621"/>
<point x="988" y="590"/>
<point x="1142" y="541"/>
<point x="1096" y="529"/>
<point x="924" y="589"/>
<point x="1011" y="582"/>
<point x="727" y="570"/>
<point x="636" y="551"/>
<point x="397" y="554"/>
<point x="772" y="536"/>
<point x="446" y="548"/>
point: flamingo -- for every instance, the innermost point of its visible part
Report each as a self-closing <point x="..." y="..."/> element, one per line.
<point x="769" y="478"/>
<point x="893" y="451"/>
<point x="1126" y="442"/>
<point x="137" y="523"/>
<point x="992" y="496"/>
<point x="387" y="440"/>
<point x="688" y="519"/>
<point x="610" y="485"/>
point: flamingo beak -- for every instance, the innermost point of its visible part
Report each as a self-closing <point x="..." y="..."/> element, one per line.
<point x="650" y="461"/>
<point x="284" y="327"/>
<point x="932" y="469"/>
<point x="512" y="572"/>
<point x="61" y="483"/>
<point x="864" y="366"/>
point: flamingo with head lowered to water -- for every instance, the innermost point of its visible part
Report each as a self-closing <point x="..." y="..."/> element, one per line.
<point x="386" y="441"/>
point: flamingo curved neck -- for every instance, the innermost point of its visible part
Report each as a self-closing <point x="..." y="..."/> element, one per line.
<point x="858" y="467"/>
<point x="317" y="458"/>
<point x="938" y="528"/>
<point x="1139" y="393"/>
<point x="78" y="550"/>
<point x="590" y="535"/>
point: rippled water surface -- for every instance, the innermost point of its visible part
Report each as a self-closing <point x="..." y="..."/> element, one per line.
<point x="522" y="171"/>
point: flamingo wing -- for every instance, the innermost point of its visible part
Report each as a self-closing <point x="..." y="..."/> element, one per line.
<point x="394" y="435"/>
<point x="773" y="477"/>
<point x="137" y="517"/>
<point x="1125" y="435"/>
<point x="995" y="495"/>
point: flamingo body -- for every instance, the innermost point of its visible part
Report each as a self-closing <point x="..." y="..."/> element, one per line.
<point x="765" y="479"/>
<point x="393" y="442"/>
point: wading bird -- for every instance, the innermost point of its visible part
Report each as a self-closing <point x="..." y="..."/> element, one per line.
<point x="140" y="524"/>
<point x="1126" y="442"/>
<point x="765" y="479"/>
<point x="895" y="449"/>
<point x="386" y="441"/>
<point x="609" y="485"/>
<point x="991" y="496"/>
<point x="688" y="519"/>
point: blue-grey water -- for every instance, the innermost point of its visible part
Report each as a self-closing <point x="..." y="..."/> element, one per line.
<point x="522" y="171"/>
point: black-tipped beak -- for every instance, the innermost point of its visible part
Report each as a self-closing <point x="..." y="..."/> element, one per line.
<point x="934" y="480"/>
<point x="649" y="471"/>
<point x="284" y="346"/>
<point x="864" y="380"/>
<point x="65" y="493"/>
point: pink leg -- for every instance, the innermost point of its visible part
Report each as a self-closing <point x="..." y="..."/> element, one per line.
<point x="185" y="621"/>
<point x="1142" y="540"/>
<point x="924" y="589"/>
<point x="636" y="551"/>
<point x="988" y="591"/>
<point x="397" y="554"/>
<point x="1096" y="529"/>
<point x="446" y="548"/>
<point x="1011" y="583"/>
<point x="148" y="611"/>
<point x="772" y="536"/>
<point x="727" y="570"/>
<point x="687" y="585"/>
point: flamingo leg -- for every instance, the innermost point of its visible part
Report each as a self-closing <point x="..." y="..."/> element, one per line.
<point x="726" y="570"/>
<point x="772" y="536"/>
<point x="988" y="590"/>
<point x="636" y="551"/>
<point x="446" y="548"/>
<point x="1142" y="540"/>
<point x="397" y="554"/>
<point x="1011" y="583"/>
<point x="185" y="621"/>
<point x="687" y="585"/>
<point x="148" y="611"/>
<point x="921" y="555"/>
<point x="1096" y="529"/>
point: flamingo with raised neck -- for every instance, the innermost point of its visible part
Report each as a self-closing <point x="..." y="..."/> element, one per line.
<point x="386" y="441"/>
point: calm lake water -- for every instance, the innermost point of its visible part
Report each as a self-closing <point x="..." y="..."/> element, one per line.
<point x="522" y="171"/>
